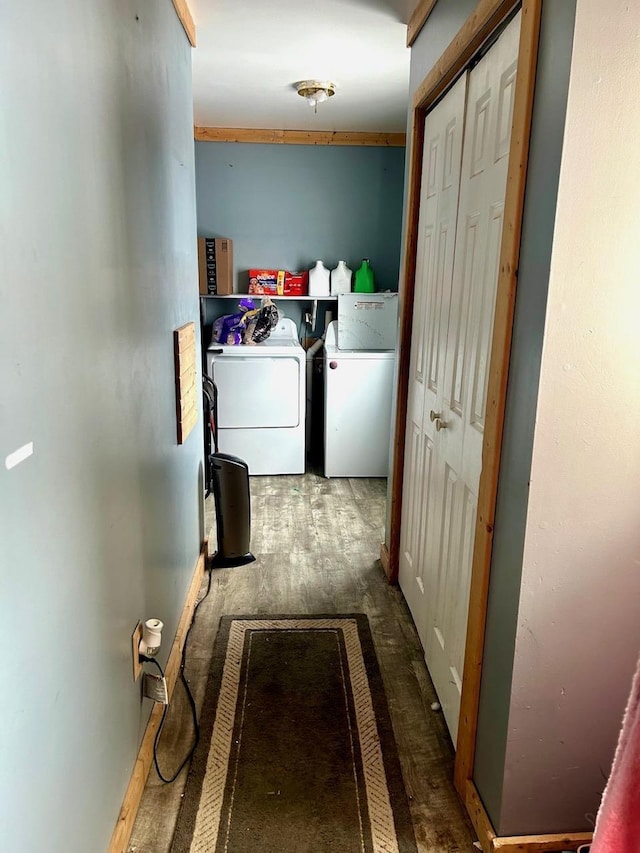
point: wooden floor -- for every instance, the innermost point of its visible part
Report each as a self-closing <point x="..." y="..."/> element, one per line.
<point x="317" y="543"/>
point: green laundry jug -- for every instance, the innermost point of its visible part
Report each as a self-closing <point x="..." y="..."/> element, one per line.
<point x="364" y="278"/>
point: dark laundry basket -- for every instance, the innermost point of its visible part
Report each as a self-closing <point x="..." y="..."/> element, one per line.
<point x="228" y="480"/>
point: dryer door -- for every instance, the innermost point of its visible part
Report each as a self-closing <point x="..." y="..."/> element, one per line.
<point x="257" y="391"/>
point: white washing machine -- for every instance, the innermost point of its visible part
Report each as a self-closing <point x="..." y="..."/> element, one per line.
<point x="261" y="401"/>
<point x="358" y="391"/>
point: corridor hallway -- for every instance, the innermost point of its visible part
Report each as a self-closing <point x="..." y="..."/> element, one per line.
<point x="317" y="543"/>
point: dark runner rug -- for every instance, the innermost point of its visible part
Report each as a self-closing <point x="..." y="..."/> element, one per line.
<point x="297" y="753"/>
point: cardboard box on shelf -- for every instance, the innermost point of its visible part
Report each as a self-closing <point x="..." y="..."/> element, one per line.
<point x="278" y="283"/>
<point x="215" y="266"/>
<point x="296" y="283"/>
<point x="266" y="282"/>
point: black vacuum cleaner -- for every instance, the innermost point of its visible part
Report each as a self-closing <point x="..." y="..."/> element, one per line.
<point x="228" y="480"/>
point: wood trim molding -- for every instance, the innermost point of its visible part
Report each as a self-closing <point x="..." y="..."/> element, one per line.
<point x="298" y="137"/>
<point x="541" y="843"/>
<point x="486" y="17"/>
<point x="497" y="388"/>
<point x="418" y="19"/>
<point x="492" y="843"/>
<point x="186" y="19"/>
<point x="384" y="559"/>
<point x="144" y="760"/>
<point x="407" y="291"/>
<point x="479" y="817"/>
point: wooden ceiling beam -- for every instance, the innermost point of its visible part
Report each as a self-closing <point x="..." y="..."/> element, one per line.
<point x="299" y="137"/>
<point x="418" y="19"/>
<point x="186" y="19"/>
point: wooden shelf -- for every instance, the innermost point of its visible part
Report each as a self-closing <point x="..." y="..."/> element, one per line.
<point x="306" y="298"/>
<point x="257" y="296"/>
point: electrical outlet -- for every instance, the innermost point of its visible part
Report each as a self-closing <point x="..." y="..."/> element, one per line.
<point x="155" y="687"/>
<point x="135" y="651"/>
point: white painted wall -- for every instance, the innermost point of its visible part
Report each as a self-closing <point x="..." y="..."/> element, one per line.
<point x="578" y="625"/>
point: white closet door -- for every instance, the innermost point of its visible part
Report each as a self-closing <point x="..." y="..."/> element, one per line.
<point x="434" y="269"/>
<point x="462" y="407"/>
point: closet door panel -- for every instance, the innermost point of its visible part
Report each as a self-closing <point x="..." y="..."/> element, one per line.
<point x="423" y="472"/>
<point x="458" y="446"/>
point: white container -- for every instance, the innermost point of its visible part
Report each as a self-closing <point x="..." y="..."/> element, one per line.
<point x="341" y="279"/>
<point x="319" y="280"/>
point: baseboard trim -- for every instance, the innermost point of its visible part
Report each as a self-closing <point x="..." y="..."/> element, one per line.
<point x="144" y="760"/>
<point x="541" y="843"/>
<point x="384" y="559"/>
<point x="492" y="843"/>
<point x="479" y="817"/>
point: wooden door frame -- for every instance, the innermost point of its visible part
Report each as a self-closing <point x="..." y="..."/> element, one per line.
<point x="477" y="29"/>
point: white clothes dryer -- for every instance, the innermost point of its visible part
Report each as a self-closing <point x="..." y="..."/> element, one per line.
<point x="261" y="401"/>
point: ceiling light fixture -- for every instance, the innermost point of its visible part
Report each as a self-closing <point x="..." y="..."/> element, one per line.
<point x="315" y="92"/>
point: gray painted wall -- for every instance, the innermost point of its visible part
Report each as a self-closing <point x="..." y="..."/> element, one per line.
<point x="547" y="132"/>
<point x="101" y="527"/>
<point x="285" y="206"/>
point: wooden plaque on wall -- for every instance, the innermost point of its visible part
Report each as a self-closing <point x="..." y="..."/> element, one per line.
<point x="184" y="349"/>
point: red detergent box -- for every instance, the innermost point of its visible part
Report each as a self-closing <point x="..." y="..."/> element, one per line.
<point x="296" y="283"/>
<point x="266" y="282"/>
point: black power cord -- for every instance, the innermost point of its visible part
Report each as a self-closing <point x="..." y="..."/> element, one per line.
<point x="192" y="703"/>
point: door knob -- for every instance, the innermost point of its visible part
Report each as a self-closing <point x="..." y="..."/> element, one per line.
<point x="434" y="415"/>
<point x="440" y="424"/>
<point x="333" y="365"/>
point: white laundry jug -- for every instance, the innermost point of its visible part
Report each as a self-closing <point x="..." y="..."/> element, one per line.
<point x="341" y="279"/>
<point x="319" y="280"/>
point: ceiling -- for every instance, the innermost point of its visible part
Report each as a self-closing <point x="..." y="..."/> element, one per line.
<point x="250" y="53"/>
